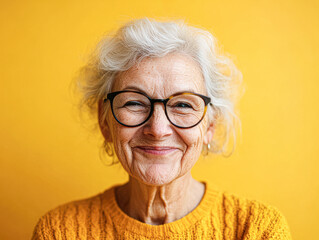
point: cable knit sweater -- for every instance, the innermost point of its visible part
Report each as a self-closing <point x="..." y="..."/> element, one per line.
<point x="218" y="216"/>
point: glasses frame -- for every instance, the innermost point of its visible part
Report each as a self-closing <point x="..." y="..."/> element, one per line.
<point x="111" y="96"/>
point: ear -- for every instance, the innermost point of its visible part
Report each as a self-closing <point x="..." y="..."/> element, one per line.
<point x="104" y="127"/>
<point x="209" y="133"/>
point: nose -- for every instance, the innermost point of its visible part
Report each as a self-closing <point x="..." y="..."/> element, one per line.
<point x="158" y="125"/>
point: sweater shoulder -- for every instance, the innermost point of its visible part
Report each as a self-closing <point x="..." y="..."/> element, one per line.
<point x="75" y="208"/>
<point x="253" y="219"/>
<point x="70" y="219"/>
<point x="233" y="202"/>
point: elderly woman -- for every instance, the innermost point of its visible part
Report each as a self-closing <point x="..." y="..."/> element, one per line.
<point x="162" y="95"/>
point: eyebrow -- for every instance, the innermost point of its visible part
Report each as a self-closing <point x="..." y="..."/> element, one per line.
<point x="134" y="88"/>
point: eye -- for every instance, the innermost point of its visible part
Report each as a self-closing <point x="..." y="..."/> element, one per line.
<point x="135" y="106"/>
<point x="133" y="103"/>
<point x="182" y="105"/>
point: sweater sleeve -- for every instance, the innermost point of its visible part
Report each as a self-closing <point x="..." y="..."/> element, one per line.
<point x="266" y="223"/>
<point x="42" y="230"/>
<point x="278" y="228"/>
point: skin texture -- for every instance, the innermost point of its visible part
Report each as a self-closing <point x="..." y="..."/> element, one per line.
<point x="157" y="155"/>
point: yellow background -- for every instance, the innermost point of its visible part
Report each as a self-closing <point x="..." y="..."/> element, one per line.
<point x="48" y="157"/>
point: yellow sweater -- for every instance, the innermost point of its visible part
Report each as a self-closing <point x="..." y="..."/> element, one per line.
<point x="218" y="216"/>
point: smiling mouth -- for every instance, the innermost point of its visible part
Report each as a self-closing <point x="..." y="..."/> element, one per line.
<point x="156" y="150"/>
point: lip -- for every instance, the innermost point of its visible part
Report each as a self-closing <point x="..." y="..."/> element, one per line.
<point x="156" y="150"/>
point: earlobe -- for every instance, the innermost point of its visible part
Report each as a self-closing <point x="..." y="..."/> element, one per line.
<point x="209" y="133"/>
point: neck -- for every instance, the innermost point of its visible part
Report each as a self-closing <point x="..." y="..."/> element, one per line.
<point x="160" y="204"/>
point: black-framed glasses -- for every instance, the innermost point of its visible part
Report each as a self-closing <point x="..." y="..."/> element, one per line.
<point x="133" y="108"/>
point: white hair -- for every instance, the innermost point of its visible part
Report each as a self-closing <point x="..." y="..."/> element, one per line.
<point x="142" y="38"/>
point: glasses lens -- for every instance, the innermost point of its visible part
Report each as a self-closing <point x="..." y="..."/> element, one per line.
<point x="131" y="108"/>
<point x="185" y="110"/>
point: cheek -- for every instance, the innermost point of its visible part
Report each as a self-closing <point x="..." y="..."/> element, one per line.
<point x="194" y="141"/>
<point x="121" y="138"/>
<point x="194" y="137"/>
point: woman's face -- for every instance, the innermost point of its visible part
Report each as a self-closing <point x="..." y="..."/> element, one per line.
<point x="157" y="152"/>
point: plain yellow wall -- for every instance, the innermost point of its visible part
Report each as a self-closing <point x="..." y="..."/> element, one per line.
<point x="48" y="157"/>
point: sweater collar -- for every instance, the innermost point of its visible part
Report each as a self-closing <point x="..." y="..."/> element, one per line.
<point x="124" y="222"/>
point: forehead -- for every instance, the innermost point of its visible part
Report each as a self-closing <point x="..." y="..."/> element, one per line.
<point x="163" y="76"/>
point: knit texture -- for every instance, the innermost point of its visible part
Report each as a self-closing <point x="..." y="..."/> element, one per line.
<point x="219" y="215"/>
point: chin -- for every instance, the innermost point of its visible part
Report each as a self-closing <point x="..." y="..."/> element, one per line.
<point x="158" y="175"/>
